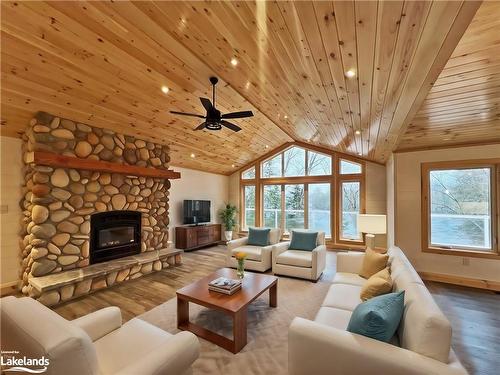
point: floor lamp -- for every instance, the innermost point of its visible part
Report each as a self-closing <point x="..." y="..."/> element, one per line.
<point x="371" y="225"/>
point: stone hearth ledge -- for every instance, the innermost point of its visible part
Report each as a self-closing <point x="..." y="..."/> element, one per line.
<point x="53" y="281"/>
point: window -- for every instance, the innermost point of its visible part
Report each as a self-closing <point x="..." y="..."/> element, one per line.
<point x="249" y="208"/>
<point x="272" y="206"/>
<point x="319" y="207"/>
<point x="294" y="207"/>
<point x="349" y="167"/>
<point x="350" y="202"/>
<point x="458" y="207"/>
<point x="272" y="167"/>
<point x="294" y="162"/>
<point x="249" y="174"/>
<point x="318" y="164"/>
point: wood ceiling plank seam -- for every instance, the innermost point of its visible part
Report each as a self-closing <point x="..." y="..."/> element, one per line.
<point x="465" y="101"/>
<point x="345" y="39"/>
<point x="471" y="67"/>
<point x="412" y="24"/>
<point x="471" y="84"/>
<point x="313" y="27"/>
<point x="244" y="96"/>
<point x="332" y="49"/>
<point x="386" y="20"/>
<point x="420" y="89"/>
<point x="469" y="58"/>
<point x="459" y="111"/>
<point x="366" y="28"/>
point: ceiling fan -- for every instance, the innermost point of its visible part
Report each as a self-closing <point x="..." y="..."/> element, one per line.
<point x="214" y="120"/>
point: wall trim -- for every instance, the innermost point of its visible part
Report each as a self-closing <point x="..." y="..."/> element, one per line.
<point x="463" y="281"/>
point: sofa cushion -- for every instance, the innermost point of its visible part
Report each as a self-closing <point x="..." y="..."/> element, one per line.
<point x="258" y="236"/>
<point x="297" y="258"/>
<point x="252" y="252"/>
<point x="303" y="240"/>
<point x="376" y="285"/>
<point x="424" y="329"/>
<point x="343" y="296"/>
<point x="379" y="317"/>
<point x="129" y="344"/>
<point x="348" y="278"/>
<point x="332" y="317"/>
<point x="373" y="262"/>
<point x="403" y="274"/>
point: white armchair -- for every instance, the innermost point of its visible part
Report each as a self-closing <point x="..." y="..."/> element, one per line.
<point x="97" y="343"/>
<point x="298" y="263"/>
<point x="258" y="257"/>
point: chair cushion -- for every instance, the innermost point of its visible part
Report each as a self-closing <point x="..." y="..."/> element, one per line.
<point x="424" y="329"/>
<point x="258" y="236"/>
<point x="379" y="317"/>
<point x="348" y="278"/>
<point x="130" y="343"/>
<point x="378" y="284"/>
<point x="333" y="317"/>
<point x="343" y="296"/>
<point x="298" y="258"/>
<point x="303" y="240"/>
<point x="373" y="262"/>
<point x="252" y="252"/>
<point x="274" y="236"/>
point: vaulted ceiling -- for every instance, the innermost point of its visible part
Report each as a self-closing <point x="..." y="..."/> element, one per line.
<point x="103" y="63"/>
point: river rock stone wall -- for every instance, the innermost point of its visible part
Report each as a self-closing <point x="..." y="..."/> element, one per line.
<point x="58" y="202"/>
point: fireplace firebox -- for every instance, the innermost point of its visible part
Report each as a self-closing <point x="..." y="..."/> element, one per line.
<point x="114" y="234"/>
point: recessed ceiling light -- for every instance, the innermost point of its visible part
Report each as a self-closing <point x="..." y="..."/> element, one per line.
<point x="232" y="165"/>
<point x="247" y="85"/>
<point x="234" y="62"/>
<point x="165" y="89"/>
<point x="285" y="117"/>
<point x="193" y="155"/>
<point x="267" y="146"/>
<point x="357" y="132"/>
<point x="359" y="153"/>
<point x="350" y="73"/>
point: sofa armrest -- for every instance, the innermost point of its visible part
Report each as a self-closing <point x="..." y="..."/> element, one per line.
<point x="233" y="244"/>
<point x="279" y="248"/>
<point x="318" y="349"/>
<point x="174" y="357"/>
<point x="318" y="261"/>
<point x="100" y="322"/>
<point x="350" y="262"/>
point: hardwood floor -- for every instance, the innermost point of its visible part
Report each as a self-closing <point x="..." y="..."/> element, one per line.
<point x="474" y="314"/>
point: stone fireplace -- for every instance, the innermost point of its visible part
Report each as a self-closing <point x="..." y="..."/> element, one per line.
<point x="95" y="209"/>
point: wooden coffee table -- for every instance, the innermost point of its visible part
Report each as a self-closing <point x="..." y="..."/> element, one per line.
<point x="253" y="285"/>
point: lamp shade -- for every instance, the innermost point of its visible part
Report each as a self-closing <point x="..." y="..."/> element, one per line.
<point x="373" y="224"/>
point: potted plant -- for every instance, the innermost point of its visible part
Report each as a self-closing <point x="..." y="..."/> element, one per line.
<point x="228" y="217"/>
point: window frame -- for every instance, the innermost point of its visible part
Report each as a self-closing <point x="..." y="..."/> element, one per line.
<point x="426" y="246"/>
<point x="333" y="179"/>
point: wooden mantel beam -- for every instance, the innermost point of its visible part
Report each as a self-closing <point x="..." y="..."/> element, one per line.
<point x="61" y="161"/>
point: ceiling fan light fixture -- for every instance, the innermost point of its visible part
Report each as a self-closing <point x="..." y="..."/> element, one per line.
<point x="214" y="126"/>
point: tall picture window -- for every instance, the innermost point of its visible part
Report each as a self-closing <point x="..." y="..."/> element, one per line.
<point x="249" y="206"/>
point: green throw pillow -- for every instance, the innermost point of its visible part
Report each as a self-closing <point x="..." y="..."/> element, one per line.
<point x="379" y="317"/>
<point x="258" y="236"/>
<point x="303" y="240"/>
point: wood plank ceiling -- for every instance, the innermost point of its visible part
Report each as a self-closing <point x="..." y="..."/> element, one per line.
<point x="463" y="106"/>
<point x="103" y="63"/>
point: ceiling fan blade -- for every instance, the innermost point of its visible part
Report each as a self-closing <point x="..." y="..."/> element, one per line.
<point x="187" y="114"/>
<point x="201" y="126"/>
<point x="238" y="114"/>
<point x="207" y="104"/>
<point x="231" y="126"/>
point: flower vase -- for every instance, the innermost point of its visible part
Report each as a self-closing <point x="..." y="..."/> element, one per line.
<point x="240" y="271"/>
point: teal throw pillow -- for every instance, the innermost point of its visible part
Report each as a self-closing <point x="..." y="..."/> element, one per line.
<point x="378" y="317"/>
<point x="258" y="236"/>
<point x="303" y="240"/>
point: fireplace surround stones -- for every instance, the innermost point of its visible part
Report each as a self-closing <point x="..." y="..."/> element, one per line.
<point x="59" y="202"/>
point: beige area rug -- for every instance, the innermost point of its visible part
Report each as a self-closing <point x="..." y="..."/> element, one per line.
<point x="267" y="348"/>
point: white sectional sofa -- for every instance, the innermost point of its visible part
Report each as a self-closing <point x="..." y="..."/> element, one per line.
<point x="422" y="344"/>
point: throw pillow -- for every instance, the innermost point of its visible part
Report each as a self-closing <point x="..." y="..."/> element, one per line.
<point x="303" y="240"/>
<point x="379" y="317"/>
<point x="258" y="236"/>
<point x="373" y="262"/>
<point x="380" y="283"/>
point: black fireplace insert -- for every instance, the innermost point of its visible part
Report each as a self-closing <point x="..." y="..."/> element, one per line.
<point x="114" y="234"/>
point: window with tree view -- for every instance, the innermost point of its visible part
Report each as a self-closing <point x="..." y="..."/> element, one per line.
<point x="350" y="203"/>
<point x="249" y="209"/>
<point x="460" y="208"/>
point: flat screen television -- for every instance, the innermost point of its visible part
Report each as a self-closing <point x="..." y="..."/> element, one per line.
<point x="196" y="212"/>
